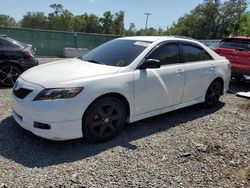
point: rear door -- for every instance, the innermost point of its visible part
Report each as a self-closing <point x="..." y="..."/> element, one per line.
<point x="200" y="71"/>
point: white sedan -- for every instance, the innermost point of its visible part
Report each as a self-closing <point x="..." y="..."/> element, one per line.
<point x="124" y="80"/>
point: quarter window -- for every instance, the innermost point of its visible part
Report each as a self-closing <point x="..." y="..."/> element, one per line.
<point x="206" y="56"/>
<point x="167" y="54"/>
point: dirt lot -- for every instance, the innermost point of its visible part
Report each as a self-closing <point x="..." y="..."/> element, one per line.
<point x="192" y="147"/>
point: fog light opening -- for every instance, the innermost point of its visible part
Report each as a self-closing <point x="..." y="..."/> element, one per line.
<point x="42" y="126"/>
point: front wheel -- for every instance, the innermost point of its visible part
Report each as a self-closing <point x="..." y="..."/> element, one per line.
<point x="103" y="120"/>
<point x="213" y="94"/>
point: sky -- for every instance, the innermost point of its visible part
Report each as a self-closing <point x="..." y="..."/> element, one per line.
<point x="164" y="12"/>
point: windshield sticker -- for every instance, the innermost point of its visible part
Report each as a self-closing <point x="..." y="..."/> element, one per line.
<point x="140" y="43"/>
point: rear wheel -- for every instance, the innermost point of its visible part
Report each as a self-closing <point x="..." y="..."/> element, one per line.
<point x="103" y="120"/>
<point x="9" y="74"/>
<point x="213" y="94"/>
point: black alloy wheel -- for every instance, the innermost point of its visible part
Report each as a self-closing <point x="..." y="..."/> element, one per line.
<point x="9" y="74"/>
<point x="104" y="120"/>
<point x="213" y="94"/>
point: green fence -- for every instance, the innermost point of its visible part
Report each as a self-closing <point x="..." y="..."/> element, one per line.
<point x="52" y="43"/>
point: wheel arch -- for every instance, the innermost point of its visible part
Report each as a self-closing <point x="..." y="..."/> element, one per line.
<point x="220" y="79"/>
<point x="119" y="96"/>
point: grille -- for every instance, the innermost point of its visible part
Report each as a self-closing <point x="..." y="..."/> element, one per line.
<point x="21" y="93"/>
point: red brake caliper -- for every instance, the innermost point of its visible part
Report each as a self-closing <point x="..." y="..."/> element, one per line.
<point x="96" y="116"/>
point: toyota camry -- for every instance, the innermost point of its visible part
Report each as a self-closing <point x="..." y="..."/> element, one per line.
<point x="124" y="80"/>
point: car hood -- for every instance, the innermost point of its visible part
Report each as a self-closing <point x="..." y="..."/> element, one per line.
<point x="65" y="72"/>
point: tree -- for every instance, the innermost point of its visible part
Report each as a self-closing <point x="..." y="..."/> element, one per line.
<point x="132" y="27"/>
<point x="107" y="22"/>
<point x="66" y="21"/>
<point x="63" y="22"/>
<point x="79" y="23"/>
<point x="58" y="9"/>
<point x="93" y="25"/>
<point x="118" y="23"/>
<point x="231" y="14"/>
<point x="60" y="19"/>
<point x="35" y="20"/>
<point x="7" y="21"/>
<point x="147" y="32"/>
<point x="211" y="20"/>
<point x="244" y="25"/>
<point x="131" y="31"/>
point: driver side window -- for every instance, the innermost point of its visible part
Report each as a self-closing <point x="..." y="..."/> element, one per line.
<point x="166" y="54"/>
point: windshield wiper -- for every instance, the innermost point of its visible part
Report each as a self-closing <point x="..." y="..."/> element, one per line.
<point x="94" y="61"/>
<point x="80" y="58"/>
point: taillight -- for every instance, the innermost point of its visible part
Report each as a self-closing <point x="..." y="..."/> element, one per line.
<point x="28" y="54"/>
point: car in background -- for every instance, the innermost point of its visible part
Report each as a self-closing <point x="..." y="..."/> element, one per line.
<point x="124" y="80"/>
<point x="237" y="51"/>
<point x="211" y="43"/>
<point x="15" y="58"/>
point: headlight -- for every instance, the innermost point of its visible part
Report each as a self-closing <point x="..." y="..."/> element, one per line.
<point x="60" y="93"/>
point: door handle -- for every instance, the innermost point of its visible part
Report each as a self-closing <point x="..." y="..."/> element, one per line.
<point x="212" y="67"/>
<point x="180" y="71"/>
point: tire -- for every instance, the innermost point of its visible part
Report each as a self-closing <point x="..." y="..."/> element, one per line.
<point x="213" y="94"/>
<point x="9" y="74"/>
<point x="103" y="120"/>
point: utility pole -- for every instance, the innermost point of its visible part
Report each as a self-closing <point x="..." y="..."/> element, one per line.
<point x="147" y="14"/>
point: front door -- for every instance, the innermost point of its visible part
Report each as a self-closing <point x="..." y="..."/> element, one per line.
<point x="160" y="88"/>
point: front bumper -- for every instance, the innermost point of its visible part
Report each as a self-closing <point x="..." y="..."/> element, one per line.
<point x="58" y="131"/>
<point x="63" y="116"/>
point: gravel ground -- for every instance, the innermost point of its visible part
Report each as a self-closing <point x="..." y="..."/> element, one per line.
<point x="192" y="147"/>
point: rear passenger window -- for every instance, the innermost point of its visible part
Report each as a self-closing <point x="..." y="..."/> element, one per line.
<point x="167" y="54"/>
<point x="192" y="53"/>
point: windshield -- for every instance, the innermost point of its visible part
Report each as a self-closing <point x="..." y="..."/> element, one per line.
<point x="118" y="53"/>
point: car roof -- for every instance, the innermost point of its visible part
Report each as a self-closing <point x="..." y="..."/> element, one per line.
<point x="143" y="38"/>
<point x="156" y="38"/>
<point x="239" y="37"/>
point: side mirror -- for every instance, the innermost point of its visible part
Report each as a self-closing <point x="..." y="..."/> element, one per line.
<point x="150" y="64"/>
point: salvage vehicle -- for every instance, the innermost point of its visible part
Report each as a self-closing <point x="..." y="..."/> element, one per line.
<point x="124" y="80"/>
<point x="237" y="51"/>
<point x="15" y="58"/>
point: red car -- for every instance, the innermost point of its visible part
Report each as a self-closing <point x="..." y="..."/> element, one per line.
<point x="237" y="51"/>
